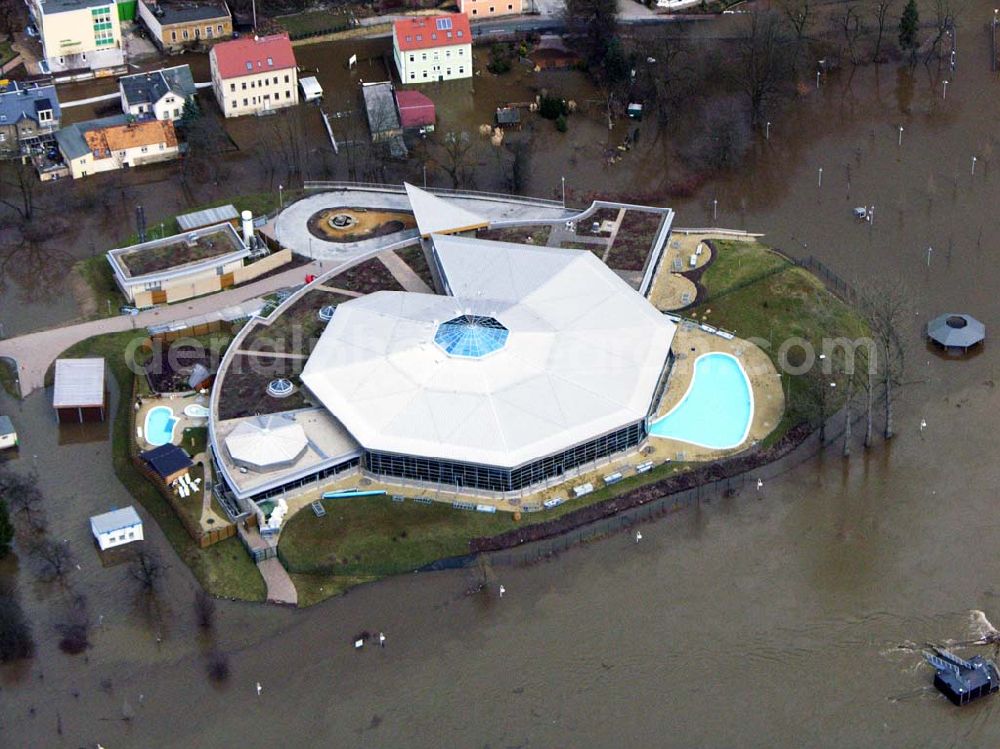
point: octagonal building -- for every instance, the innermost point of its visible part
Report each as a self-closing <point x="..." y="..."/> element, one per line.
<point x="536" y="361"/>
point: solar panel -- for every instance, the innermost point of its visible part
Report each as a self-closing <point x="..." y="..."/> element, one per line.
<point x="443" y="24"/>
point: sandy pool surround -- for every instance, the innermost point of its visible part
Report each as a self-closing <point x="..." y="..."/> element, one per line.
<point x="690" y="389"/>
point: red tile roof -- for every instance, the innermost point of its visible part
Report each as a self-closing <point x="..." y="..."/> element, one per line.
<point x="425" y="32"/>
<point x="415" y="109"/>
<point x="260" y="53"/>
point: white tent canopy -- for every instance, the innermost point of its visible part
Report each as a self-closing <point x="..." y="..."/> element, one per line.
<point x="543" y="349"/>
<point x="266" y="442"/>
<point x="436" y="215"/>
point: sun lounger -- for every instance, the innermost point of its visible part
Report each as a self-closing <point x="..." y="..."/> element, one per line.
<point x="694" y="260"/>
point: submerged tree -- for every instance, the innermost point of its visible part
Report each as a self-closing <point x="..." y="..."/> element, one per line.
<point x="54" y="559"/>
<point x="16" y="641"/>
<point x="763" y="64"/>
<point x="909" y="24"/>
<point x="146" y="569"/>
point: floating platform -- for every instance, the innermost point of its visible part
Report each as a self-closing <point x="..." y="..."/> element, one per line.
<point x="960" y="680"/>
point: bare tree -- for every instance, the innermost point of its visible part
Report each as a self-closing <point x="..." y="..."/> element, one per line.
<point x="887" y="305"/>
<point x="944" y="22"/>
<point x="880" y="12"/>
<point x="16" y="641"/>
<point x="204" y="608"/>
<point x="27" y="257"/>
<point x="24" y="498"/>
<point x="74" y="628"/>
<point x="798" y="13"/>
<point x="852" y="27"/>
<point x="218" y="666"/>
<point x="456" y="157"/>
<point x="762" y="64"/>
<point x="146" y="569"/>
<point x="18" y="182"/>
<point x="54" y="559"/>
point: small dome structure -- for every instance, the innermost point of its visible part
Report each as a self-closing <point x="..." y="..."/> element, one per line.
<point x="325" y="314"/>
<point x="956" y="331"/>
<point x="265" y="443"/>
<point x="280" y="388"/>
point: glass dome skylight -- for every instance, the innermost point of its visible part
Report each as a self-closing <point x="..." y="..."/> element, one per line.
<point x="471" y="336"/>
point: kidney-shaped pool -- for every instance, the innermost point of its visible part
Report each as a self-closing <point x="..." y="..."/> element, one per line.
<point x="717" y="409"/>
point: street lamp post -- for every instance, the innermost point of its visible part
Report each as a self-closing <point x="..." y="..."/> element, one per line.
<point x="929" y="251"/>
<point x="973" y="166"/>
<point x="281" y="203"/>
<point x="563" y="179"/>
<point x="767" y="131"/>
<point x="425" y="176"/>
<point x="900" y="135"/>
<point x="817" y="78"/>
<point x="715" y="209"/>
<point x="820" y="182"/>
<point x="945" y="94"/>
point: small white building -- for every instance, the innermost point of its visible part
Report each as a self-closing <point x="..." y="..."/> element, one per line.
<point x="116" y="528"/>
<point x="432" y="48"/>
<point x="311" y="90"/>
<point x="8" y="436"/>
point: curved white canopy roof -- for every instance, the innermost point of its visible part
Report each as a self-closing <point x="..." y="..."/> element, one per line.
<point x="583" y="357"/>
<point x="266" y="442"/>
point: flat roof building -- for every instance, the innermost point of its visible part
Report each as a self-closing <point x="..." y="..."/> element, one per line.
<point x="79" y="394"/>
<point x="116" y="528"/>
<point x="78" y="34"/>
<point x="178" y="267"/>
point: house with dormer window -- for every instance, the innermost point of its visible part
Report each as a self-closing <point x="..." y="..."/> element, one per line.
<point x="254" y="75"/>
<point x="432" y="48"/>
<point x="29" y="116"/>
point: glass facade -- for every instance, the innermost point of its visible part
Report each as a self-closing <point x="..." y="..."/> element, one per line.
<point x="471" y="336"/>
<point x="493" y="478"/>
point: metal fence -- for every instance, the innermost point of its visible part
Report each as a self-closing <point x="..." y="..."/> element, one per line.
<point x="381" y="187"/>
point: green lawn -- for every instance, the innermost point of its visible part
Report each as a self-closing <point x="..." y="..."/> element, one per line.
<point x="6" y="53"/>
<point x="224" y="569"/>
<point x="313" y="23"/>
<point x="373" y="537"/>
<point x="194" y="440"/>
<point x="760" y="295"/>
<point x="97" y="274"/>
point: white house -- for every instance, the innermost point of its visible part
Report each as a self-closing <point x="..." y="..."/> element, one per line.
<point x="78" y="34"/>
<point x="8" y="437"/>
<point x="112" y="143"/>
<point x="116" y="528"/>
<point x="158" y="94"/>
<point x="254" y="75"/>
<point x="432" y="48"/>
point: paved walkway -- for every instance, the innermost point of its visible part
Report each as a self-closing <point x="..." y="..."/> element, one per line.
<point x="35" y="352"/>
<point x="280" y="588"/>
<point x="403" y="273"/>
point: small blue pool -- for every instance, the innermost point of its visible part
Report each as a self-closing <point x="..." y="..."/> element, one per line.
<point x="160" y="423"/>
<point x="716" y="410"/>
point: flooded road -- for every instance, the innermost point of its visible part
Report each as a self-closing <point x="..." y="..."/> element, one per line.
<point x="746" y="622"/>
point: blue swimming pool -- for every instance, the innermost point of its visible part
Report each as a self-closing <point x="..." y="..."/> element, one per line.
<point x="716" y="410"/>
<point x="160" y="423"/>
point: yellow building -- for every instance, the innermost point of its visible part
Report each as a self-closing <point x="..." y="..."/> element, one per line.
<point x="79" y="34"/>
<point x="490" y="8"/>
<point x="254" y="75"/>
<point x="113" y="143"/>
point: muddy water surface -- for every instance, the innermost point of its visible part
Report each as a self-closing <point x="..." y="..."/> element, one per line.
<point x="754" y="621"/>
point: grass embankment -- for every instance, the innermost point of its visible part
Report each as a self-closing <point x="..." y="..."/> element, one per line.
<point x="754" y="292"/>
<point x="223" y="569"/>
<point x="314" y="23"/>
<point x="760" y="295"/>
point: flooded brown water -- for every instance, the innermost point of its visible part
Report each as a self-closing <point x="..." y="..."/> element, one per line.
<point x="746" y="622"/>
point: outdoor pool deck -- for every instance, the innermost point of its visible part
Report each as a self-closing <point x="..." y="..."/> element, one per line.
<point x="175" y="403"/>
<point x="671" y="289"/>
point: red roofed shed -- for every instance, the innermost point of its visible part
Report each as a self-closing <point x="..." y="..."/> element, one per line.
<point x="415" y="110"/>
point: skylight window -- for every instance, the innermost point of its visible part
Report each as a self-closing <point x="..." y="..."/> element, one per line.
<point x="249" y="65"/>
<point x="471" y="336"/>
<point x="270" y="61"/>
<point x="443" y="24"/>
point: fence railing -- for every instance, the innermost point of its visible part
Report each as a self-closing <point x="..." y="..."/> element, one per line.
<point x="382" y="187"/>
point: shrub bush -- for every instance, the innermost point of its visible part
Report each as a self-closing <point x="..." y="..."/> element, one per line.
<point x="552" y="107"/>
<point x="561" y="123"/>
